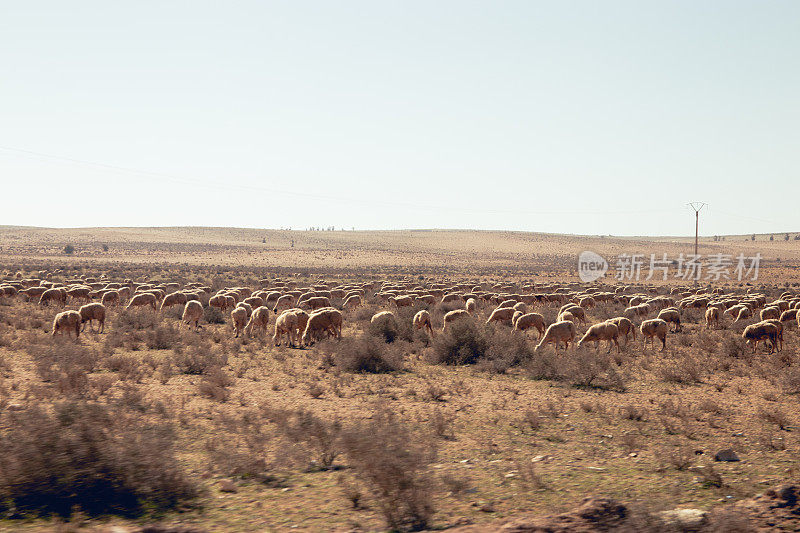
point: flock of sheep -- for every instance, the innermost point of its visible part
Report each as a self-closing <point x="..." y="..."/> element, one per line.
<point x="306" y="314"/>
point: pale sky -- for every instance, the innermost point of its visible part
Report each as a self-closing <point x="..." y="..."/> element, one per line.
<point x="565" y="116"/>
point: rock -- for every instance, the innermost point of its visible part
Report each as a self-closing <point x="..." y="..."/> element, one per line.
<point x="726" y="455"/>
<point x="684" y="519"/>
<point x="487" y="508"/>
<point x="226" y="485"/>
<point x="542" y="458"/>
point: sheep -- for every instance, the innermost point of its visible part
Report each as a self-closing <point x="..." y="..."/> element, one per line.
<point x="427" y="299"/>
<point x="501" y="314"/>
<point x="712" y="317"/>
<point x="779" y="325"/>
<point x="53" y="295"/>
<point x="471" y="305"/>
<point x="604" y="331"/>
<point x="566" y="315"/>
<point x="352" y="302"/>
<point x="383" y="319"/>
<point x="324" y="320"/>
<point x="68" y="321"/>
<point x="761" y="331"/>
<point x="239" y="319"/>
<point x="401" y="301"/>
<point x="770" y="312"/>
<point x="452" y="316"/>
<point x="453" y="297"/>
<point x="247" y="307"/>
<point x="655" y="327"/>
<point x="91" y="312"/>
<point x="285" y="301"/>
<point x="743" y="313"/>
<point x="300" y="325"/>
<point x="173" y="298"/>
<point x="423" y="320"/>
<point x="109" y="298"/>
<point x="671" y="315"/>
<point x="142" y="299"/>
<point x="192" y="312"/>
<point x="624" y="326"/>
<point x="79" y="293"/>
<point x="30" y="292"/>
<point x="562" y="331"/>
<point x="530" y="320"/>
<point x="124" y="293"/>
<point x="254" y="301"/>
<point x="587" y="302"/>
<point x="315" y="302"/>
<point x="285" y="324"/>
<point x="259" y="319"/>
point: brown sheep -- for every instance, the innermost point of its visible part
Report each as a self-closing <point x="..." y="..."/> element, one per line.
<point x="454" y="315"/>
<point x="285" y="301"/>
<point x="625" y="326"/>
<point x="192" y="312"/>
<point x="53" y="295"/>
<point x="324" y="320"/>
<point x="91" y="312"/>
<point x="761" y="331"/>
<point x="259" y="319"/>
<point x="142" y="299"/>
<point x="743" y="313"/>
<point x="401" y="301"/>
<point x="671" y="315"/>
<point x="427" y="299"/>
<point x="254" y="301"/>
<point x="285" y="324"/>
<point x="530" y="320"/>
<point x="712" y="317"/>
<point x="779" y="326"/>
<point x="384" y="319"/>
<point x="239" y="317"/>
<point x="563" y="331"/>
<point x="173" y="298"/>
<point x="110" y="298"/>
<point x="566" y="315"/>
<point x="80" y="293"/>
<point x="655" y="327"/>
<point x="352" y="302"/>
<point x="423" y="320"/>
<point x="604" y="331"/>
<point x="790" y="315"/>
<point x="577" y="311"/>
<point x="315" y="302"/>
<point x="68" y="321"/>
<point x="501" y="314"/>
<point x="770" y="312"/>
<point x="471" y="305"/>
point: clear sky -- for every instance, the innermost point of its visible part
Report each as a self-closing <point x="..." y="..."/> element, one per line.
<point x="563" y="116"/>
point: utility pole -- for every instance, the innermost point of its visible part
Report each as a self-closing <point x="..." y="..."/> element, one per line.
<point x="696" y="206"/>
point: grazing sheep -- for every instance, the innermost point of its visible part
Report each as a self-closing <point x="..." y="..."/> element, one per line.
<point x="142" y="299"/>
<point x="655" y="327"/>
<point x="452" y="316"/>
<point x="423" y="320"/>
<point x="91" y="312"/>
<point x="770" y="312"/>
<point x="324" y="320"/>
<point x="352" y="302"/>
<point x="453" y="297"/>
<point x="285" y="324"/>
<point x="779" y="326"/>
<point x="790" y="315"/>
<point x="427" y="299"/>
<point x="501" y="314"/>
<point x="315" y="302"/>
<point x="53" y="295"/>
<point x="530" y="320"/>
<point x="254" y="301"/>
<point x="285" y="301"/>
<point x="29" y="293"/>
<point x="384" y="319"/>
<point x="562" y="331"/>
<point x="192" y="312"/>
<point x="587" y="302"/>
<point x="761" y="331"/>
<point x="68" y="321"/>
<point x="604" y="331"/>
<point x="259" y="319"/>
<point x="471" y="305"/>
<point x="239" y="319"/>
<point x="743" y="313"/>
<point x="402" y="301"/>
<point x="625" y="327"/>
<point x="110" y="298"/>
<point x="671" y="315"/>
<point x="80" y="293"/>
<point x="712" y="317"/>
<point x="566" y="315"/>
<point x="173" y="298"/>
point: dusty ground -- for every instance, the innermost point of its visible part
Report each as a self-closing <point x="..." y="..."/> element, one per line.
<point x="643" y="432"/>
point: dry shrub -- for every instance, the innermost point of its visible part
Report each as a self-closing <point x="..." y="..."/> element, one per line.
<point x="580" y="367"/>
<point x="633" y="412"/>
<point x="197" y="359"/>
<point x="680" y="458"/>
<point x="393" y="462"/>
<point x="441" y="425"/>
<point x="505" y="350"/>
<point x="214" y="384"/>
<point x="164" y="337"/>
<point x="128" y="367"/>
<point x="683" y="369"/>
<point x="212" y="315"/>
<point x="316" y="437"/>
<point x="457" y="485"/>
<point x="775" y="415"/>
<point x="87" y="457"/>
<point x="390" y="330"/>
<point x="240" y="448"/>
<point x="366" y="354"/>
<point x="790" y="380"/>
<point x="463" y="343"/>
<point x="135" y="319"/>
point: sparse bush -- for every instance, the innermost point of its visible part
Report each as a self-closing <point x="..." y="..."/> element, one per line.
<point x="321" y="438"/>
<point x="197" y="359"/>
<point x="88" y="457"/>
<point x="366" y="354"/>
<point x="214" y="384"/>
<point x="163" y="337"/>
<point x="393" y="463"/>
<point x="213" y="315"/>
<point x="463" y="343"/>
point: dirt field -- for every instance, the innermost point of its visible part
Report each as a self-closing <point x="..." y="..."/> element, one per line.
<point x="470" y="427"/>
